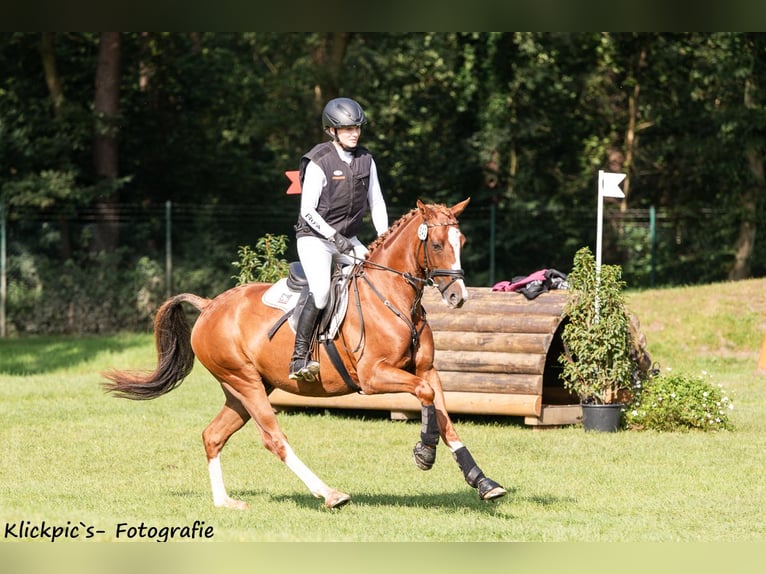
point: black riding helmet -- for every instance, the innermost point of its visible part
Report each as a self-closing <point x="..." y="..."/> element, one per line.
<point x="342" y="113"/>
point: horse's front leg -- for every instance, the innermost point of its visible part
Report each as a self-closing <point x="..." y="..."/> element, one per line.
<point x="487" y="488"/>
<point x="435" y="423"/>
<point x="424" y="452"/>
<point x="389" y="379"/>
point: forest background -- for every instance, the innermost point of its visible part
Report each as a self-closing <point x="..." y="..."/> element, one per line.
<point x="123" y="152"/>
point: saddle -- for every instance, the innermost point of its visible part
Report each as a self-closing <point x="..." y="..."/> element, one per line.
<point x="289" y="294"/>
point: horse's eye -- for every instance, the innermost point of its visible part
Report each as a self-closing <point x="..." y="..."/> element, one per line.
<point x="436" y="246"/>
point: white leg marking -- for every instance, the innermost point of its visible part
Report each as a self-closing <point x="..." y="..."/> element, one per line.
<point x="455" y="445"/>
<point x="311" y="480"/>
<point x="220" y="497"/>
<point x="216" y="481"/>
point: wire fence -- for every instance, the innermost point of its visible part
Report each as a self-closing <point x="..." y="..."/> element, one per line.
<point x="52" y="280"/>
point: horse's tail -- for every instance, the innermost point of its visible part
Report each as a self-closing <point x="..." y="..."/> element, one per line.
<point x="175" y="357"/>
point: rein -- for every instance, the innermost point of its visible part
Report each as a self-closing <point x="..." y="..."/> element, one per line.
<point x="417" y="283"/>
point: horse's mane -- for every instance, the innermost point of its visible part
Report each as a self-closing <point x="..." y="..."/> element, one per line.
<point x="399" y="223"/>
<point x="396" y="225"/>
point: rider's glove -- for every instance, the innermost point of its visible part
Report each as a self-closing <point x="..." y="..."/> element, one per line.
<point x="343" y="244"/>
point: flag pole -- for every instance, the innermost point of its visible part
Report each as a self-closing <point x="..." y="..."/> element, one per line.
<point x="607" y="187"/>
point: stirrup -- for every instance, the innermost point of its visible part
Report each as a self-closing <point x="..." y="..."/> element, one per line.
<point x="308" y="373"/>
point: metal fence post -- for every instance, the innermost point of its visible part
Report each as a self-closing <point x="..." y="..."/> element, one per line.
<point x="3" y="284"/>
<point x="652" y="242"/>
<point x="168" y="248"/>
<point x="492" y="223"/>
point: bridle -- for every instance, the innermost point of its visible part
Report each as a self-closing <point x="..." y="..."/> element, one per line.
<point x="417" y="283"/>
<point x="455" y="274"/>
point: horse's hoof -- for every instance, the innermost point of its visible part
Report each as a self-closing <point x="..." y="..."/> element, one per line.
<point x="490" y="490"/>
<point x="424" y="456"/>
<point x="336" y="500"/>
<point x="232" y="503"/>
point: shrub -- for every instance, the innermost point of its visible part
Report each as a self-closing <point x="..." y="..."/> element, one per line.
<point x="676" y="402"/>
<point x="263" y="264"/>
<point x="597" y="361"/>
<point x="96" y="293"/>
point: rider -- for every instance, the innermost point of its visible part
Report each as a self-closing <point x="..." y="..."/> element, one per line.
<point x="339" y="182"/>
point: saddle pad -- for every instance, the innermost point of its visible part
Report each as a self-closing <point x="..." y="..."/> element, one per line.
<point x="280" y="297"/>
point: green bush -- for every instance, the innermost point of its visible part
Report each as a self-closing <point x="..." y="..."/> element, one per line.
<point x="676" y="402"/>
<point x="596" y="363"/>
<point x="97" y="293"/>
<point x="263" y="264"/>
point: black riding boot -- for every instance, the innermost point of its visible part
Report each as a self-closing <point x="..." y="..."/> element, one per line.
<point x="302" y="366"/>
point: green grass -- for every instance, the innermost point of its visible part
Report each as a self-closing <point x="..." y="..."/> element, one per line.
<point x="73" y="454"/>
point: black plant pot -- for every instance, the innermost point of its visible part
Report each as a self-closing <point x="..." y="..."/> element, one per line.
<point x="602" y="418"/>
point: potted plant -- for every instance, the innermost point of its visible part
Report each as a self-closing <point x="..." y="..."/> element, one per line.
<point x="596" y="362"/>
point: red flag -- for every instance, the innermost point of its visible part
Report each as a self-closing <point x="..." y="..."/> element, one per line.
<point x="295" y="185"/>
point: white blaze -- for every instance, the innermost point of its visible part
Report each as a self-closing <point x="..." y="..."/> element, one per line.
<point x="454" y="237"/>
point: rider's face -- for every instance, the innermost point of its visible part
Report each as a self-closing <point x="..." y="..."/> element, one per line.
<point x="349" y="136"/>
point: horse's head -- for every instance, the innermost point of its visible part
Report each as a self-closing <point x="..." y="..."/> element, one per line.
<point x="439" y="249"/>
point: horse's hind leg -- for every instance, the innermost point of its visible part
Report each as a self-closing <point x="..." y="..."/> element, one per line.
<point x="229" y="420"/>
<point x="254" y="398"/>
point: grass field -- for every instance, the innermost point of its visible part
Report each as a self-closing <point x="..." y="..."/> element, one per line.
<point x="78" y="459"/>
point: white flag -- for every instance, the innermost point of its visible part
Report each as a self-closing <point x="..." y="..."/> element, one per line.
<point x="608" y="184"/>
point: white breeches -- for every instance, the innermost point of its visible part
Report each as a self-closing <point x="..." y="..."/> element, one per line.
<point x="317" y="257"/>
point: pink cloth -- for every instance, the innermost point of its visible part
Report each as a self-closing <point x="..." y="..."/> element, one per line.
<point x="508" y="286"/>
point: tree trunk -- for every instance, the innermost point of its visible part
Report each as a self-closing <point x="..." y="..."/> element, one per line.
<point x="630" y="135"/>
<point x="746" y="240"/>
<point x="56" y="91"/>
<point x="749" y="203"/>
<point x="52" y="79"/>
<point x="106" y="129"/>
<point x="329" y="58"/>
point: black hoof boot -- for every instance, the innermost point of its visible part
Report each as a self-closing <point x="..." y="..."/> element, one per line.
<point x="489" y="490"/>
<point x="424" y="456"/>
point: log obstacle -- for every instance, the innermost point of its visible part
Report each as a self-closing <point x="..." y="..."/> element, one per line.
<point x="497" y="355"/>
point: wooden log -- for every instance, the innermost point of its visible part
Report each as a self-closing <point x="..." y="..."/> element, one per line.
<point x="491" y="355"/>
<point x="457" y="402"/>
<point x="489" y="307"/>
<point x="492" y="342"/>
<point x="524" y="383"/>
<point x="490" y="362"/>
<point x="557" y="298"/>
<point x="556" y="415"/>
<point x="499" y="323"/>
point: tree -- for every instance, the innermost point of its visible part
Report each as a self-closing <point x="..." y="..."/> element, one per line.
<point x="754" y="193"/>
<point x="106" y="105"/>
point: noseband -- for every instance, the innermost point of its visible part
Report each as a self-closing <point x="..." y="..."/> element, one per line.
<point x="455" y="274"/>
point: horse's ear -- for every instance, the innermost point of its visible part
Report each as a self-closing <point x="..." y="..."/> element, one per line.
<point x="457" y="209"/>
<point x="422" y="207"/>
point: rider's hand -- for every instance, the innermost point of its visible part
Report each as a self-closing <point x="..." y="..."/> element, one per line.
<point x="343" y="243"/>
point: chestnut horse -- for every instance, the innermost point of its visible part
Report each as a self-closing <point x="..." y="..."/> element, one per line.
<point x="385" y="344"/>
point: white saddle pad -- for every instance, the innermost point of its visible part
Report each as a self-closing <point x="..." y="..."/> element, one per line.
<point x="279" y="296"/>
